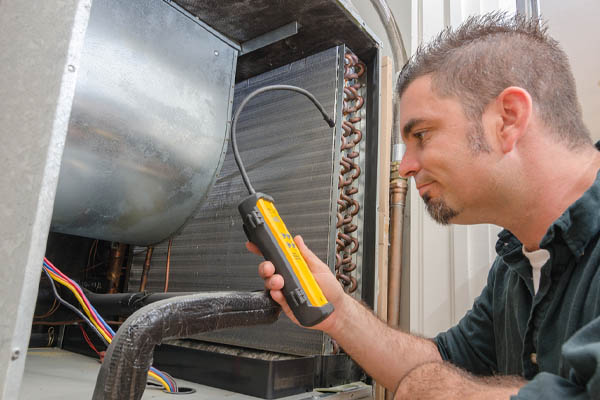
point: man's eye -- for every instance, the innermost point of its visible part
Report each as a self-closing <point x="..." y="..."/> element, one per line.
<point x="419" y="135"/>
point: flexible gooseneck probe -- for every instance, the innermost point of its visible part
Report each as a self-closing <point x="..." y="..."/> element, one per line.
<point x="236" y="153"/>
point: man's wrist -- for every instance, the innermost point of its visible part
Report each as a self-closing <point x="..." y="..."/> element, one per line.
<point x="345" y="311"/>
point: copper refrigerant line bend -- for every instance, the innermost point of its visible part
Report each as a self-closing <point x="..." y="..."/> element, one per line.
<point x="124" y="372"/>
<point x="348" y="207"/>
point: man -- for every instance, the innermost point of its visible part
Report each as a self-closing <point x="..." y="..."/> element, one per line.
<point x="494" y="134"/>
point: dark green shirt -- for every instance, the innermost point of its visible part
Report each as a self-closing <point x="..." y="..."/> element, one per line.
<point x="551" y="338"/>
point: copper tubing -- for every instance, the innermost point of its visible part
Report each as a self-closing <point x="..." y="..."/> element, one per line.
<point x="146" y="269"/>
<point x="398" y="189"/>
<point x="113" y="274"/>
<point x="346" y="244"/>
<point x="398" y="199"/>
<point x="168" y="266"/>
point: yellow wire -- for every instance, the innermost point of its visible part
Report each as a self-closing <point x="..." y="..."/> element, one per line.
<point x="102" y="331"/>
<point x="80" y="300"/>
<point x="159" y="379"/>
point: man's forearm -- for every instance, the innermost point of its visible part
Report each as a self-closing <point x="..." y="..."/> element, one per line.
<point x="386" y="354"/>
<point x="442" y="380"/>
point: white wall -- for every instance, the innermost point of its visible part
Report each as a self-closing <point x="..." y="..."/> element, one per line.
<point x="401" y="11"/>
<point x="575" y="25"/>
<point x="448" y="265"/>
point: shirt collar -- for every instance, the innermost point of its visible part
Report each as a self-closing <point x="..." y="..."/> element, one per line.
<point x="579" y="223"/>
<point x="507" y="243"/>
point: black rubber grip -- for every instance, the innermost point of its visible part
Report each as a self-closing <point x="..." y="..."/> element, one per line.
<point x="258" y="232"/>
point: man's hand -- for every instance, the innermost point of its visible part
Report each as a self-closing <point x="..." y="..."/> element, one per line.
<point x="326" y="280"/>
<point x="386" y="354"/>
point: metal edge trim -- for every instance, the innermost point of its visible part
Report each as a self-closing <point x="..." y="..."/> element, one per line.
<point x="336" y="156"/>
<point x="204" y="25"/>
<point x="370" y="201"/>
<point x="358" y="20"/>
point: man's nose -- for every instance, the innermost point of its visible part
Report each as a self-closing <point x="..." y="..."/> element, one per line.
<point x="409" y="166"/>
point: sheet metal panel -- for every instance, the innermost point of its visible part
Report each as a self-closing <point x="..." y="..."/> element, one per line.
<point x="324" y="24"/>
<point x="41" y="45"/>
<point x="148" y="125"/>
<point x="291" y="154"/>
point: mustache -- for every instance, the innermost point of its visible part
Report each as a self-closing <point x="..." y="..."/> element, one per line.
<point x="422" y="180"/>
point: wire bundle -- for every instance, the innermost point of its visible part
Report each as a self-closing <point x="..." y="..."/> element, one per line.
<point x="94" y="320"/>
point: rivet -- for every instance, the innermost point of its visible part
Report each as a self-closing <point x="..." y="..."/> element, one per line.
<point x="15" y="354"/>
<point x="71" y="68"/>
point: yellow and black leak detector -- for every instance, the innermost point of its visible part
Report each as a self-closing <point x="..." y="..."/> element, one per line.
<point x="265" y="228"/>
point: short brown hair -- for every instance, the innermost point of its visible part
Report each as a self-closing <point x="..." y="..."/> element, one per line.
<point x="491" y="52"/>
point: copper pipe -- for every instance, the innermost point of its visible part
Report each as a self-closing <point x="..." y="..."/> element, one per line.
<point x="398" y="189"/>
<point x="396" y="221"/>
<point x="113" y="274"/>
<point x="146" y="269"/>
<point x="168" y="267"/>
<point x="348" y="207"/>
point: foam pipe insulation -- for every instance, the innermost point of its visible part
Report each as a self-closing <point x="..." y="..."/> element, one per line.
<point x="125" y="368"/>
<point x="125" y="304"/>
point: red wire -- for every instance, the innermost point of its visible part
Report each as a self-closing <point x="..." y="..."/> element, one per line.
<point x="89" y="342"/>
<point x="76" y="287"/>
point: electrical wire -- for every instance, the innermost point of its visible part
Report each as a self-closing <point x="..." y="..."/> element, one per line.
<point x="51" y="311"/>
<point x="89" y="342"/>
<point x="104" y="329"/>
<point x="71" y="307"/>
<point x="93" y="319"/>
<point x="264" y="89"/>
<point x="99" y="325"/>
<point x="71" y="322"/>
<point x="168" y="266"/>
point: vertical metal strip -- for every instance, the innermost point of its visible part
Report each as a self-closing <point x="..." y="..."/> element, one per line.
<point x="370" y="200"/>
<point x="336" y="157"/>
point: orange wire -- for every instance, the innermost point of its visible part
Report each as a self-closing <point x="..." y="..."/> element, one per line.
<point x="51" y="311"/>
<point x="168" y="265"/>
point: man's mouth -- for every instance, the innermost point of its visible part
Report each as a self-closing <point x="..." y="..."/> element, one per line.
<point x="422" y="188"/>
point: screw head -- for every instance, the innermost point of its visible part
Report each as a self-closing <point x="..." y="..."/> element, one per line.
<point x="216" y="52"/>
<point x="71" y="68"/>
<point x="15" y="354"/>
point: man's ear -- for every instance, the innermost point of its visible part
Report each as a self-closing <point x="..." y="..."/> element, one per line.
<point x="515" y="108"/>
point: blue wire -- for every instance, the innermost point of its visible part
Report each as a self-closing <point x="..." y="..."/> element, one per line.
<point x="96" y="313"/>
<point x="157" y="372"/>
<point x="112" y="332"/>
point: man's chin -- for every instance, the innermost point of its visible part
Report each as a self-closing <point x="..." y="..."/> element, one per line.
<point x="439" y="210"/>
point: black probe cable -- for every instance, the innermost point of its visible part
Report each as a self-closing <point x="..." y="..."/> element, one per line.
<point x="296" y="89"/>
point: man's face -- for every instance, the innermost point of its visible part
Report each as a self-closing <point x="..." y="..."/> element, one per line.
<point x="450" y="169"/>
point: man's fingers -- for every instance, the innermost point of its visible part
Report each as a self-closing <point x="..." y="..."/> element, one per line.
<point x="274" y="283"/>
<point x="314" y="263"/>
<point x="266" y="269"/>
<point x="279" y="298"/>
<point x="253" y="248"/>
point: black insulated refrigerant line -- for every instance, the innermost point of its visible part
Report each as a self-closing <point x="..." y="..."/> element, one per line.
<point x="125" y="368"/>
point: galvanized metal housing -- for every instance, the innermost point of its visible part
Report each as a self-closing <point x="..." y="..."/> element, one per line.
<point x="149" y="123"/>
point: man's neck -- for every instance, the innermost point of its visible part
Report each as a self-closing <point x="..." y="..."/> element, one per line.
<point x="553" y="183"/>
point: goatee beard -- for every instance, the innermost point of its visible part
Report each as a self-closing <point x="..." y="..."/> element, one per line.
<point x="439" y="210"/>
